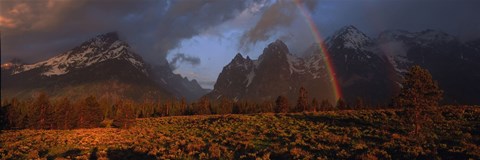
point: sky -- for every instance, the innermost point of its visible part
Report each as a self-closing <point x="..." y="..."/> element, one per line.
<point x="197" y="38"/>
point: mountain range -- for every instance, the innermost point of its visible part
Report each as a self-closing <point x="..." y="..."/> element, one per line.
<point x="104" y="66"/>
<point x="368" y="68"/>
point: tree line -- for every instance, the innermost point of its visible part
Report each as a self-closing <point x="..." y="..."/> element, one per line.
<point x="420" y="92"/>
<point x="43" y="112"/>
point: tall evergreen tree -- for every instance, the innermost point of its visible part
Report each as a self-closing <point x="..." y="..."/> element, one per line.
<point x="90" y="115"/>
<point x="302" y="101"/>
<point x="63" y="113"/>
<point x="124" y="116"/>
<point x="359" y="103"/>
<point x="203" y="106"/>
<point x="315" y="106"/>
<point x="42" y="112"/>
<point x="281" y="104"/>
<point x="341" y="104"/>
<point x="326" y="105"/>
<point x="4" y="109"/>
<point x="13" y="114"/>
<point x="419" y="96"/>
<point x="236" y="108"/>
<point x="183" y="106"/>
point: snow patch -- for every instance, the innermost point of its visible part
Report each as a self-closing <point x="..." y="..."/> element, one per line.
<point x="295" y="64"/>
<point x="91" y="53"/>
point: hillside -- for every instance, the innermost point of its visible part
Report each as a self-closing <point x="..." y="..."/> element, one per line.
<point x="105" y="66"/>
<point x="362" y="134"/>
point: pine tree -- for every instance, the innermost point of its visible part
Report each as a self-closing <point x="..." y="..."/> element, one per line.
<point x="225" y="106"/>
<point x="419" y="96"/>
<point x="302" y="101"/>
<point x="124" y="116"/>
<point x="183" y="106"/>
<point x="90" y="115"/>
<point x="281" y="104"/>
<point x="12" y="115"/>
<point x="359" y="103"/>
<point x="167" y="105"/>
<point x="4" y="109"/>
<point x="325" y="105"/>
<point x="203" y="106"/>
<point x="341" y="104"/>
<point x="63" y="113"/>
<point x="42" y="112"/>
<point x="315" y="106"/>
<point x="236" y="108"/>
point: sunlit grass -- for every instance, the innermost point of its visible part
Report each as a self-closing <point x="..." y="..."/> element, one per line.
<point x="363" y="134"/>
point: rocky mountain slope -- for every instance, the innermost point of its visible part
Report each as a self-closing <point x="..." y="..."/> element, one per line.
<point x="104" y="66"/>
<point x="276" y="72"/>
<point x="454" y="64"/>
<point x="367" y="68"/>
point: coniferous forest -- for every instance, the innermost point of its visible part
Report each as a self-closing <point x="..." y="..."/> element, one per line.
<point x="413" y="126"/>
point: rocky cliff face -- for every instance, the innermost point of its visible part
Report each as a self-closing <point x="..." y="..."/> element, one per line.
<point x="276" y="72"/>
<point x="368" y="68"/>
<point x="454" y="64"/>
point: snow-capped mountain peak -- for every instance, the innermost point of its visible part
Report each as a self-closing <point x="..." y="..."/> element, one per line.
<point x="424" y="38"/>
<point x="349" y="37"/>
<point x="96" y="50"/>
<point x="434" y="36"/>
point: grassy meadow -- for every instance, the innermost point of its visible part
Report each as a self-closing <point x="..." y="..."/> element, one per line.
<point x="347" y="134"/>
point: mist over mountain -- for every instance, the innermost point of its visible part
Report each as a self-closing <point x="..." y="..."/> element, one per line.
<point x="104" y="66"/>
<point x="368" y="68"/>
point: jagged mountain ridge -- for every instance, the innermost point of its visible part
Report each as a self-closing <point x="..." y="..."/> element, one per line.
<point x="454" y="64"/>
<point x="367" y="68"/>
<point x="180" y="87"/>
<point x="360" y="72"/>
<point x="98" y="64"/>
<point x="101" y="48"/>
<point x="276" y="72"/>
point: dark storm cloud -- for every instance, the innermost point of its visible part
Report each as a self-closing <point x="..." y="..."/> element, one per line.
<point x="282" y="13"/>
<point x="182" y="58"/>
<point x="40" y="29"/>
<point x="282" y="21"/>
<point x="456" y="17"/>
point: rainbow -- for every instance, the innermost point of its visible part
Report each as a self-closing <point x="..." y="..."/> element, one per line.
<point x="318" y="39"/>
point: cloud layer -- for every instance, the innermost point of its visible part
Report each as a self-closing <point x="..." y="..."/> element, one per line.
<point x="281" y="13"/>
<point x="182" y="58"/>
<point x="34" y="30"/>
